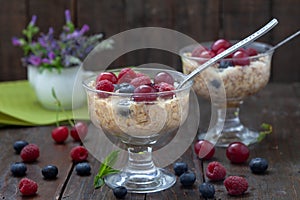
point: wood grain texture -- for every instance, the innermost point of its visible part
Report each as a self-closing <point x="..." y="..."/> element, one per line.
<point x="200" y="19"/>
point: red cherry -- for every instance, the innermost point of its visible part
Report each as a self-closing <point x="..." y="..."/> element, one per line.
<point x="219" y="44"/>
<point x="163" y="77"/>
<point x="104" y="85"/>
<point x="240" y="57"/>
<point x="207" y="54"/>
<point x="79" y="131"/>
<point x="60" y="134"/>
<point x="237" y="152"/>
<point x="198" y="50"/>
<point x="107" y="76"/>
<point x="142" y="93"/>
<point x="204" y="149"/>
<point x="251" y="52"/>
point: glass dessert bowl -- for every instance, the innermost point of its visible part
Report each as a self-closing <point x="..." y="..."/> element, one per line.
<point x="243" y="73"/>
<point x="137" y="107"/>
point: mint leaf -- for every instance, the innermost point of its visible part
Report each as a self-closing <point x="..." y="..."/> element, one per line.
<point x="106" y="168"/>
<point x="267" y="129"/>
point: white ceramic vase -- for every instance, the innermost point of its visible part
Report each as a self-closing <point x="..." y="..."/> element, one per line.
<point x="70" y="94"/>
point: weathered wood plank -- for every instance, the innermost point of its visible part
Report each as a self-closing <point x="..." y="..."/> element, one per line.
<point x="12" y="20"/>
<point x="50" y="153"/>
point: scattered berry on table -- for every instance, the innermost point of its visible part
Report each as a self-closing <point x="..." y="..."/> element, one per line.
<point x="207" y="190"/>
<point x="50" y="172"/>
<point x="30" y="153"/>
<point x="204" y="149"/>
<point x="163" y="77"/>
<point x="28" y="187"/>
<point x="220" y="44"/>
<point x="187" y="178"/>
<point x="237" y="152"/>
<point x="240" y="58"/>
<point x="144" y="93"/>
<point x="120" y="192"/>
<point x="258" y="165"/>
<point x="107" y="76"/>
<point x="141" y="80"/>
<point x="180" y="168"/>
<point x="236" y="185"/>
<point x="79" y="154"/>
<point x="79" y="131"/>
<point x="215" y="171"/>
<point x="104" y="85"/>
<point x="18" y="169"/>
<point x="83" y="169"/>
<point x="19" y="145"/>
<point x="126" y="75"/>
<point x="60" y="134"/>
<point x="126" y="88"/>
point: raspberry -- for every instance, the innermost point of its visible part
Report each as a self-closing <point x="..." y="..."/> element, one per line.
<point x="60" y="134"/>
<point x="165" y="88"/>
<point x="79" y="131"/>
<point x="126" y="75"/>
<point x="236" y="185"/>
<point x="28" y="187"/>
<point x="215" y="171"/>
<point x="30" y="153"/>
<point x="104" y="85"/>
<point x="142" y="80"/>
<point x="79" y="154"/>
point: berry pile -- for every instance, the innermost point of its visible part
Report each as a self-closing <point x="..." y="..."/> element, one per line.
<point x="141" y="85"/>
<point x="238" y="58"/>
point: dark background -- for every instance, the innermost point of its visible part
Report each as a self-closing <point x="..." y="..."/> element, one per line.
<point x="202" y="20"/>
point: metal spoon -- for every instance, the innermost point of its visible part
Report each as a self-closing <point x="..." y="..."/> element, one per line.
<point x="228" y="51"/>
<point x="284" y="41"/>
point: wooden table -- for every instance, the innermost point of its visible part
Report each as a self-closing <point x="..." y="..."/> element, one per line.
<point x="277" y="104"/>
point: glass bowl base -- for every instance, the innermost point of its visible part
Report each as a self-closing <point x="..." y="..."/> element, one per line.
<point x="140" y="183"/>
<point x="226" y="137"/>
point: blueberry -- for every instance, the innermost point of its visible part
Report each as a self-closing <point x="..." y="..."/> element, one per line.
<point x="123" y="107"/>
<point x="180" y="168"/>
<point x="18" y="169"/>
<point x="19" y="145"/>
<point x="126" y="88"/>
<point x="225" y="63"/>
<point x="50" y="172"/>
<point x="83" y="169"/>
<point x="187" y="178"/>
<point x="258" y="165"/>
<point x="120" y="192"/>
<point x="207" y="190"/>
<point x="215" y="83"/>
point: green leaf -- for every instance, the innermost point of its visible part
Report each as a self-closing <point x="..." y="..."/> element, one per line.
<point x="267" y="129"/>
<point x="106" y="168"/>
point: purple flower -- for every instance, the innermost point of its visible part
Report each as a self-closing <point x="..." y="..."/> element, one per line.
<point x="33" y="20"/>
<point x="46" y="61"/>
<point x="84" y="29"/>
<point x="34" y="60"/>
<point x="16" y="41"/>
<point x="68" y="16"/>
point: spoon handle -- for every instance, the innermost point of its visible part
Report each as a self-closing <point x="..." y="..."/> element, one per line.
<point x="284" y="41"/>
<point x="228" y="51"/>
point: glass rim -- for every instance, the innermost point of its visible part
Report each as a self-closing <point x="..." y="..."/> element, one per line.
<point x="187" y="86"/>
<point x="183" y="51"/>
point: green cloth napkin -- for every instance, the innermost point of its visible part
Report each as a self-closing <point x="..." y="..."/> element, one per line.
<point x="19" y="106"/>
